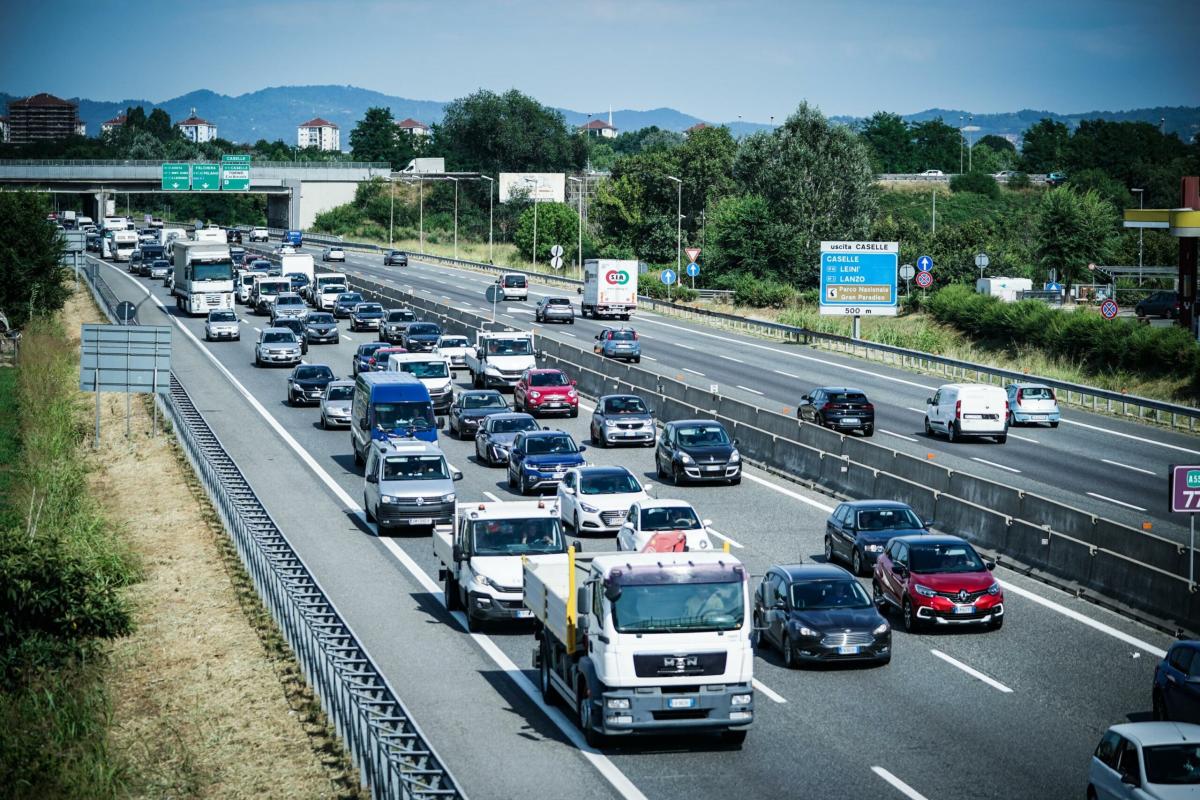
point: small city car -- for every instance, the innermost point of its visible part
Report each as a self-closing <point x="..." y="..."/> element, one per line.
<point x="296" y="326"/>
<point x="856" y="532"/>
<point x="546" y="391"/>
<point x="1146" y="761"/>
<point x="839" y="408"/>
<point x="344" y="305"/>
<point x="595" y="499"/>
<point x="697" y="450"/>
<point x="554" y="309"/>
<point x="619" y="343"/>
<point x="939" y="581"/>
<point x="622" y="419"/>
<point x="333" y="254"/>
<point x="336" y="403"/>
<point x="307" y="384"/>
<point x="366" y="317"/>
<point x="222" y="324"/>
<point x="321" y="327"/>
<point x="1032" y="404"/>
<point x="663" y="525"/>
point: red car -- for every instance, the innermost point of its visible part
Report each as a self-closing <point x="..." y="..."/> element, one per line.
<point x="378" y="362"/>
<point x="543" y="391"/>
<point x="937" y="580"/>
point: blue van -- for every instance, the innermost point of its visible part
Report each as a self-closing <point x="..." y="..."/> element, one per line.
<point x="388" y="404"/>
<point x="294" y="238"/>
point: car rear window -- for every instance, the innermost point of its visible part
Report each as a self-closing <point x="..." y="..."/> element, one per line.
<point x="1036" y="393"/>
<point x="622" y="336"/>
<point x="846" y="397"/>
<point x="514" y="281"/>
<point x="558" y="301"/>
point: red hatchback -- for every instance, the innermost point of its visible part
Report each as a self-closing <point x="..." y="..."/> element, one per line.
<point x="937" y="580"/>
<point x="546" y="391"/>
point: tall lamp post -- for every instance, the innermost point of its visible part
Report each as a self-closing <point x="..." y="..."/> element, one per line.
<point x="960" y="143"/>
<point x="455" y="215"/>
<point x="970" y="142"/>
<point x="391" y="209"/>
<point x="491" y="191"/>
<point x="678" y="223"/>
<point x="1141" y="193"/>
<point x="579" y="251"/>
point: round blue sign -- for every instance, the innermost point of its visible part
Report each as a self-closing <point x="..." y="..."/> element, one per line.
<point x="668" y="276"/>
<point x="925" y="264"/>
<point x="693" y="269"/>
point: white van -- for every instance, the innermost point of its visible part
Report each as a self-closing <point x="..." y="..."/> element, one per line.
<point x="433" y="371"/>
<point x="960" y="410"/>
<point x="513" y="286"/>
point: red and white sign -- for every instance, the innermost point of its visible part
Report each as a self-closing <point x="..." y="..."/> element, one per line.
<point x="692" y="253"/>
<point x="924" y="279"/>
<point x="1109" y="308"/>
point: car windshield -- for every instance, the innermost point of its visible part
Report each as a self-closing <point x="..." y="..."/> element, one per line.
<point x="514" y="280"/>
<point x="294" y="325"/>
<point x="268" y="289"/>
<point x="453" y="341"/>
<point x="953" y="557"/>
<point x="424" y="329"/>
<point x="671" y="607"/>
<point x="514" y="537"/>
<point x="624" y="405"/>
<point x="608" y="483"/>
<point x="349" y="297"/>
<point x="369" y="308"/>
<point x="279" y="337"/>
<point x="313" y="372"/>
<point x="340" y="393"/>
<point x="288" y="301"/>
<point x="887" y="519"/>
<point x="1036" y="393"/>
<point x="403" y="315"/>
<point x="415" y="468"/>
<point x="826" y="594"/>
<point x="333" y="288"/>
<point x="548" y="379"/>
<point x="1173" y="764"/>
<point x="702" y="435"/>
<point x="426" y="369"/>
<point x="320" y="319"/>
<point x="669" y="518"/>
<point x="514" y="425"/>
<point x="484" y="401"/>
<point x="399" y="416"/>
<point x="222" y="316"/>
<point x="622" y="336"/>
<point x="553" y="444"/>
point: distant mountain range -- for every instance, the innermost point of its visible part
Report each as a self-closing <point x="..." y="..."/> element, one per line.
<point x="275" y="112"/>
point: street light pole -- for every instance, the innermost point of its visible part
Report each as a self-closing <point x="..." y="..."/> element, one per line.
<point x="579" y="251"/>
<point x="421" y="192"/>
<point x="491" y="191"/>
<point x="678" y="224"/>
<point x="970" y="143"/>
<point x="1141" y="193"/>
<point x="391" y="210"/>
<point x="455" y="217"/>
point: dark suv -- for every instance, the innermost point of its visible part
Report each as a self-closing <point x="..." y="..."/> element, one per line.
<point x="858" y="531"/>
<point x="420" y="337"/>
<point x="391" y="329"/>
<point x="697" y="450"/>
<point x="937" y="580"/>
<point x="838" y="408"/>
<point x="541" y="458"/>
<point x="1176" y="694"/>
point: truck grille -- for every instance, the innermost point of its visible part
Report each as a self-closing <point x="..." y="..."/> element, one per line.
<point x="668" y="665"/>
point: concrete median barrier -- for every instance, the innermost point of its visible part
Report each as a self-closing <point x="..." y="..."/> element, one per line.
<point x="973" y="522"/>
<point x="1143" y="587"/>
<point x="1061" y="518"/>
<point x="922" y="499"/>
<point x="821" y="438"/>
<point x="847" y="478"/>
<point x="1072" y="559"/>
<point x="993" y="496"/>
<point x="1141" y="546"/>
<point x="1028" y="545"/>
<point x="753" y="442"/>
<point x="740" y="412"/>
<point x="922" y="471"/>
<point x="798" y="459"/>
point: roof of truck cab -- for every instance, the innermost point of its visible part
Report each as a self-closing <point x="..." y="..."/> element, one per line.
<point x="608" y="561"/>
<point x="510" y="509"/>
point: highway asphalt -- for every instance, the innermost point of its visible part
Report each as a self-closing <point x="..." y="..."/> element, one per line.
<point x="1014" y="712"/>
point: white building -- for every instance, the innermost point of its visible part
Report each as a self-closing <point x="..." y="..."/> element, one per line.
<point x="196" y="129"/>
<point x="412" y="126"/>
<point x="111" y="125"/>
<point x="599" y="127"/>
<point x="3" y="129"/>
<point x="319" y="133"/>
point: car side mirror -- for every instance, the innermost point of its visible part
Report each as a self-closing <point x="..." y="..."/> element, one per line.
<point x="574" y="382"/>
<point x="927" y="523"/>
<point x="805" y="398"/>
<point x="458" y="476"/>
<point x="780" y="604"/>
<point x="991" y="565"/>
<point x="928" y="401"/>
<point x="456" y="553"/>
<point x="583" y="599"/>
<point x="578" y="545"/>
<point x="372" y="478"/>
<point x="582" y="447"/>
<point x="735" y="442"/>
<point x="706" y="522"/>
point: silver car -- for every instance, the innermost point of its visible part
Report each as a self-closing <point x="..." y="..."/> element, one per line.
<point x="1032" y="404"/>
<point x="408" y="483"/>
<point x="289" y="305"/>
<point x="335" y="405"/>
<point x="333" y="254"/>
<point x="277" y="346"/>
<point x="222" y="325"/>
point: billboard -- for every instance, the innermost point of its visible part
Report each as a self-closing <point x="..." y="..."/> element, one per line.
<point x="547" y="186"/>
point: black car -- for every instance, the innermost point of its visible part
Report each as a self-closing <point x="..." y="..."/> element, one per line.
<point x="496" y="434"/>
<point x="366" y="317"/>
<point x="819" y="613"/>
<point x="391" y="329"/>
<point x="263" y="266"/>
<point x="344" y="305"/>
<point x="320" y="326"/>
<point x="839" y="408"/>
<point x="1159" y="304"/>
<point x="470" y="407"/>
<point x="362" y="357"/>
<point x="697" y="450"/>
<point x="858" y="531"/>
<point x="296" y="326"/>
<point x="299" y="281"/>
<point x="554" y="309"/>
<point x="622" y="419"/>
<point x="395" y="258"/>
<point x="233" y="236"/>
<point x="420" y="337"/>
<point x="307" y="383"/>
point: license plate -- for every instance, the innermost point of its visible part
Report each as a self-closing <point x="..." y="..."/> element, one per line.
<point x="554" y="405"/>
<point x="851" y="650"/>
<point x="972" y="416"/>
<point x="968" y="609"/>
<point x="850" y="420"/>
<point x="1037" y="416"/>
<point x="712" y="469"/>
<point x="558" y="474"/>
<point x="682" y="702"/>
<point x="524" y="613"/>
<point x="421" y="521"/>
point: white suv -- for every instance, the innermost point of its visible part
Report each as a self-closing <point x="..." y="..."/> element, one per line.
<point x="260" y="235"/>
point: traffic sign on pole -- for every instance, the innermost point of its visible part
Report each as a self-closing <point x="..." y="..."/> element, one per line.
<point x="556" y="262"/>
<point x="1109" y="308"/>
<point x="235" y="173"/>
<point x="668" y="276"/>
<point x="906" y="271"/>
<point x="692" y="253"/>
<point x="557" y="251"/>
<point x="924" y="279"/>
<point x="859" y="278"/>
<point x="176" y="177"/>
<point x="925" y="264"/>
<point x="206" y="177"/>
<point x="693" y="269"/>
<point x="982" y="260"/>
<point x="1183" y="487"/>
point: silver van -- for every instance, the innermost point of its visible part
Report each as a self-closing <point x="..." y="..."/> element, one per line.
<point x="408" y="483"/>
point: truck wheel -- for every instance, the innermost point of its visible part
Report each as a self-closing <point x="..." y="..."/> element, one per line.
<point x="358" y="459"/>
<point x="549" y="693"/>
<point x="734" y="738"/>
<point x="584" y="708"/>
<point x="453" y="601"/>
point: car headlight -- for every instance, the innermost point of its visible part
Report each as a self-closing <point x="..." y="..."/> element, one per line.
<point x="535" y="395"/>
<point x="994" y="588"/>
<point x="803" y="631"/>
<point x="449" y="497"/>
<point x="740" y="699"/>
<point x="686" y="459"/>
<point x="735" y="456"/>
<point x="387" y="498"/>
<point x="588" y="509"/>
<point x="924" y="591"/>
<point x="618" y="703"/>
<point x="572" y="393"/>
<point x="610" y="423"/>
<point x="483" y="580"/>
<point x="881" y="630"/>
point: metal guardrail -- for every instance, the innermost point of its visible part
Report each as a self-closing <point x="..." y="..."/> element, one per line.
<point x="392" y="755"/>
<point x="916" y="177"/>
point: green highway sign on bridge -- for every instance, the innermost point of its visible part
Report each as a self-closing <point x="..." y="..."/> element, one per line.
<point x="206" y="177"/>
<point x="176" y="177"/>
<point x="235" y="173"/>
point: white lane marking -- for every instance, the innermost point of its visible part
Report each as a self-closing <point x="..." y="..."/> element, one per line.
<point x="491" y="497"/>
<point x="1118" y="502"/>
<point x="601" y="762"/>
<point x="701" y="374"/>
<point x="997" y="466"/>
<point x="730" y="358"/>
<point x="723" y="537"/>
<point x="788" y="492"/>
<point x="1131" y="436"/>
<point x="573" y="336"/>
<point x="650" y="358"/>
<point x="1126" y="466"/>
<point x="348" y="337"/>
<point x="787" y="374"/>
<point x="684" y="346"/>
<point x="974" y="673"/>
<point x="751" y="391"/>
<point x="1084" y="619"/>
<point x="1022" y="438"/>
<point x="918" y="410"/>
<point x="510" y="316"/>
<point x="259" y="330"/>
<point x="769" y="692"/>
<point x="245" y="322"/>
<point x="899" y="785"/>
<point x="898" y="436"/>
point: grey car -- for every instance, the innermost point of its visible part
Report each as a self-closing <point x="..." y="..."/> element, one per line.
<point x="345" y="303"/>
<point x="366" y="317"/>
<point x="622" y="419"/>
<point x="408" y="484"/>
<point x="620" y="343"/>
<point x="391" y="328"/>
<point x="221" y="324"/>
<point x="320" y="326"/>
<point x="554" y="309"/>
<point x="336" y="403"/>
<point x="495" y="436"/>
<point x="288" y="305"/>
<point x="277" y="346"/>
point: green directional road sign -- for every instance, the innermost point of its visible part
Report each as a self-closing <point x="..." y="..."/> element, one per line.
<point x="235" y="173"/>
<point x="206" y="177"/>
<point x="176" y="177"/>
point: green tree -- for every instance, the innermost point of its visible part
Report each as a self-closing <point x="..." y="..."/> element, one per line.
<point x="32" y="281"/>
<point x="1072" y="231"/>
<point x="997" y="143"/>
<point x="936" y="145"/>
<point x="977" y="182"/>
<point x="743" y="238"/>
<point x="891" y="142"/>
<point x="706" y="168"/>
<point x="557" y="223"/>
<point x="158" y="124"/>
<point x="1044" y="146"/>
<point x="488" y="132"/>
<point x="376" y="138"/>
<point x="635" y="208"/>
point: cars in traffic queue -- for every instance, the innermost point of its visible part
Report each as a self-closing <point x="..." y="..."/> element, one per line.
<point x="321" y="328"/>
<point x="697" y="450"/>
<point x="663" y="525"/>
<point x="554" y="309"/>
<point x="622" y="419"/>
<point x="222" y="324"/>
<point x="391" y="327"/>
<point x="839" y="408"/>
<point x="961" y="410"/>
<point x="512" y="286"/>
<point x="1176" y="690"/>
<point x="265" y="266"/>
<point x="540" y="459"/>
<point x="1165" y="304"/>
<point x="259" y="235"/>
<point x="277" y="346"/>
<point x="168" y="280"/>
<point x="296" y="326"/>
<point x="595" y="499"/>
<point x="858" y="531"/>
<point x="335" y="404"/>
<point x="819" y="613"/>
<point x="362" y="357"/>
<point x="546" y="391"/>
<point x="366" y="317"/>
<point x="420" y="337"/>
<point x="937" y="580"/>
<point x="378" y="362"/>
<point x="343" y="305"/>
<point x="470" y="408"/>
<point x="288" y="305"/>
<point x="619" y="343"/>
<point x="495" y="436"/>
<point x="135" y="262"/>
<point x="433" y="371"/>
<point x="1032" y="404"/>
<point x="454" y="349"/>
<point x="326" y="296"/>
<point x="395" y="258"/>
<point x="266" y="289"/>
<point x="408" y="484"/>
<point x="333" y="254"/>
<point x="389" y="405"/>
<point x="500" y="358"/>
<point x="159" y="269"/>
<point x="243" y="286"/>
<point x="307" y="384"/>
<point x="1146" y="761"/>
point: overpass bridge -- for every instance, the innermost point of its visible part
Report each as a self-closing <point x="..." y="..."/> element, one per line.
<point x="296" y="190"/>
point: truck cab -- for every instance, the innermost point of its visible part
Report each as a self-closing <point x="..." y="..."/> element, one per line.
<point x="408" y="483"/>
<point x="500" y="359"/>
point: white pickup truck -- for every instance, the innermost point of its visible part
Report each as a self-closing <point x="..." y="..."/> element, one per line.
<point x="643" y="643"/>
<point x="499" y="359"/>
<point x="481" y="556"/>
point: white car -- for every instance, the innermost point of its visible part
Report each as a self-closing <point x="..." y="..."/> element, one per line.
<point x="1146" y="761"/>
<point x="222" y="325"/>
<point x="596" y="499"/>
<point x="285" y="250"/>
<point x="933" y="173"/>
<point x="333" y="254"/>
<point x="260" y="235"/>
<point x="453" y="349"/>
<point x="663" y="523"/>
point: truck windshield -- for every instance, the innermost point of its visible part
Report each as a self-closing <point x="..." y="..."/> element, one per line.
<point x="514" y="537"/>
<point x="509" y="347"/>
<point x="397" y="416"/>
<point x="212" y="270"/>
<point x="426" y="369"/>
<point x="674" y="607"/>
<point x="271" y="289"/>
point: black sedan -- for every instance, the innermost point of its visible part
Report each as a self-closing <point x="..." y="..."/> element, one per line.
<point x="420" y="337"/>
<point x="697" y="450"/>
<point x="471" y="407"/>
<point x="838" y="408"/>
<point x="344" y="305"/>
<point x="858" y="531"/>
<point x="296" y="326"/>
<point x="320" y="326"/>
<point x="395" y="258"/>
<point x="622" y="419"/>
<point x="362" y="357"/>
<point x="307" y="383"/>
<point x="819" y="613"/>
<point x="366" y="317"/>
<point x="391" y="329"/>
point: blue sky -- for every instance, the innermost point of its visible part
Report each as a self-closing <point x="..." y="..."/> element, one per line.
<point x="714" y="59"/>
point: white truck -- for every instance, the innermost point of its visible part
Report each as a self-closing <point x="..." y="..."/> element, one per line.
<point x="265" y="290"/>
<point x="481" y="556"/>
<point x="499" y="358"/>
<point x="202" y="277"/>
<point x="610" y="288"/>
<point x="123" y="244"/>
<point x="641" y="643"/>
<point x="210" y="235"/>
<point x="431" y="369"/>
<point x="297" y="264"/>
